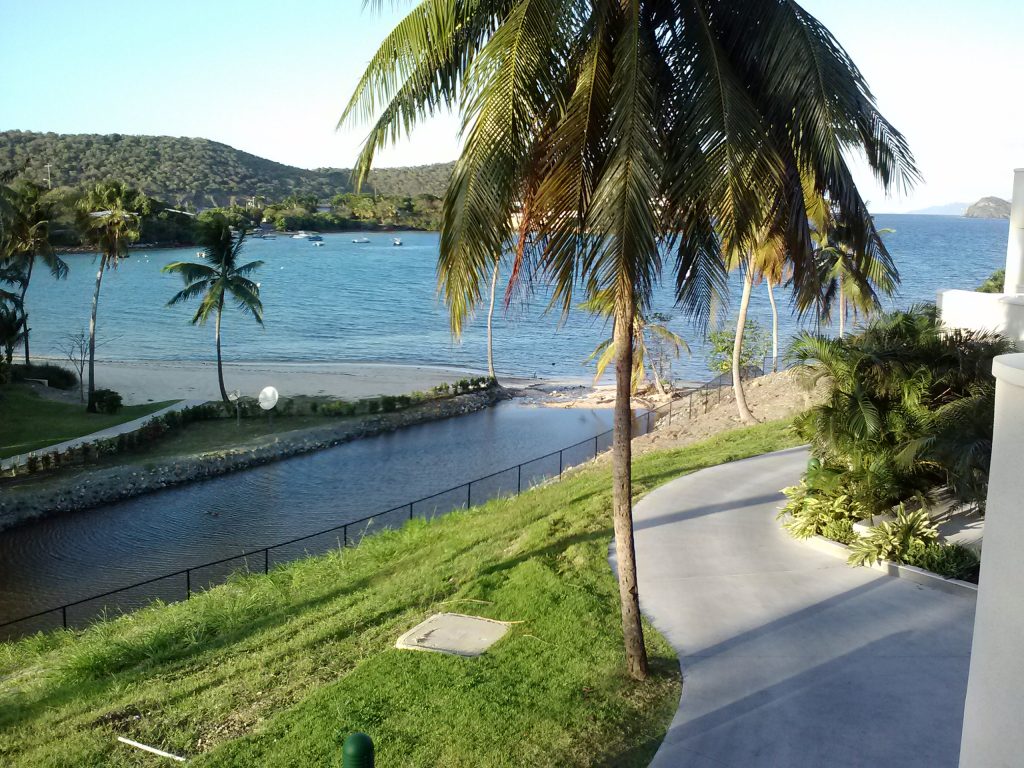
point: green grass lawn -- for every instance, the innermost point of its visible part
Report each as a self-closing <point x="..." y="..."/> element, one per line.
<point x="273" y="670"/>
<point x="29" y="422"/>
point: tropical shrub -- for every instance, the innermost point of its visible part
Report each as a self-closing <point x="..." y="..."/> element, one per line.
<point x="953" y="561"/>
<point x="811" y="511"/>
<point x="56" y="376"/>
<point x="106" y="401"/>
<point x="756" y="343"/>
<point x="909" y="408"/>
<point x="903" y="540"/>
<point x="994" y="282"/>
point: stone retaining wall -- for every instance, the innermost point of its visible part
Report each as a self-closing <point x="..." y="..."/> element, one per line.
<point x="85" y="490"/>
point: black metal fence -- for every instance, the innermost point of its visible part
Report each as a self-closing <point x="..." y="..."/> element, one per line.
<point x="181" y="585"/>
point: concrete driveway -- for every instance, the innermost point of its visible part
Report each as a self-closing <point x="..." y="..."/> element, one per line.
<point x="791" y="658"/>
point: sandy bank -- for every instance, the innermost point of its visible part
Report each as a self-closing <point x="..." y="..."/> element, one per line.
<point x="144" y="381"/>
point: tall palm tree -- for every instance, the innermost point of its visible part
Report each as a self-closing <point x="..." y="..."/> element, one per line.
<point x="625" y="130"/>
<point x="221" y="275"/>
<point x="27" y="240"/>
<point x="110" y="220"/>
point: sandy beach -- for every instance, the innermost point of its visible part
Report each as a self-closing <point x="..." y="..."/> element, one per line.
<point x="141" y="381"/>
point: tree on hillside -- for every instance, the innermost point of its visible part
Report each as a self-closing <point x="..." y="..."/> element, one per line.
<point x="26" y="240"/>
<point x="624" y="130"/>
<point x="110" y="216"/>
<point x="219" y="276"/>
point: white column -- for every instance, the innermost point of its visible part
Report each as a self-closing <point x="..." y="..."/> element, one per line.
<point x="1015" y="247"/>
<point x="992" y="735"/>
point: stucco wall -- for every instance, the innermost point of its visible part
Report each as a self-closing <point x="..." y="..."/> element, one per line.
<point x="999" y="312"/>
<point x="992" y="734"/>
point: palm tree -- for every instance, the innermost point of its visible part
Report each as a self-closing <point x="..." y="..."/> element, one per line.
<point x="490" y="319"/>
<point x="220" y="276"/>
<point x="625" y="130"/>
<point x="27" y="240"/>
<point x="110" y="223"/>
<point x="644" y="325"/>
<point x="12" y="329"/>
<point x="850" y="279"/>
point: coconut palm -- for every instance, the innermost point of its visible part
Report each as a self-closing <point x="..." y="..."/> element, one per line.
<point x="110" y="215"/>
<point x="219" y="276"/>
<point x="627" y="131"/>
<point x="26" y="240"/>
<point x="644" y="327"/>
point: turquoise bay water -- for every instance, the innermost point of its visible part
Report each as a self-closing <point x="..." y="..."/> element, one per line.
<point x="375" y="302"/>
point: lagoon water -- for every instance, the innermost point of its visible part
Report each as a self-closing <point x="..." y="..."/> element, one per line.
<point x="343" y="302"/>
<point x="375" y="302"/>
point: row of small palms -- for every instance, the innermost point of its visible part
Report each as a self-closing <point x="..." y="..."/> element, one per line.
<point x="109" y="217"/>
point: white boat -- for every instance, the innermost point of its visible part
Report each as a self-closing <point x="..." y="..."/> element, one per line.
<point x="300" y="235"/>
<point x="396" y="241"/>
<point x="318" y="243"/>
<point x="361" y="240"/>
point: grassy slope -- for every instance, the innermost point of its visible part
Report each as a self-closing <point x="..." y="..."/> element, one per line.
<point x="30" y="422"/>
<point x="269" y="670"/>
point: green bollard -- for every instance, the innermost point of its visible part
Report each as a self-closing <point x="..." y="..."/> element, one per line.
<point x="357" y="751"/>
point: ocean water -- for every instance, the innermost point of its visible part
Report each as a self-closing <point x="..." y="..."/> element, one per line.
<point x="374" y="302"/>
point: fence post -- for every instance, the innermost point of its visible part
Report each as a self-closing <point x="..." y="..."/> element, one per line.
<point x="595" y="446"/>
<point x="410" y="511"/>
<point x="344" y="535"/>
<point x="519" y="482"/>
<point x="64" y="615"/>
<point x="188" y="583"/>
<point x="469" y="495"/>
<point x="559" y="463"/>
<point x="266" y="560"/>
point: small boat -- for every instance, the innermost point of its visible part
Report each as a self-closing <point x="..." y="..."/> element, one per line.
<point x="396" y="241"/>
<point x="318" y="243"/>
<point x="314" y="238"/>
<point x="361" y="240"/>
<point x="201" y="254"/>
<point x="300" y="235"/>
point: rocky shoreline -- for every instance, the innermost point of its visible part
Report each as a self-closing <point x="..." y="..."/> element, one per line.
<point x="97" y="487"/>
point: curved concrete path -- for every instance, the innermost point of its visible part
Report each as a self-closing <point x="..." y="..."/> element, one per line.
<point x="790" y="658"/>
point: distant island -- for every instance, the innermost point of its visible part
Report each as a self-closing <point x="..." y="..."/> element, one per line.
<point x="989" y="208"/>
<point x="196" y="173"/>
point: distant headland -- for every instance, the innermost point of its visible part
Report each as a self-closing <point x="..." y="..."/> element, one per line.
<point x="989" y="208"/>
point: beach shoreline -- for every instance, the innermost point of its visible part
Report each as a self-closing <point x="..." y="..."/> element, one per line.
<point x="142" y="381"/>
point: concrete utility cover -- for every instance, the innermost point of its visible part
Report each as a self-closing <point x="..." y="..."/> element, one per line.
<point x="453" y="633"/>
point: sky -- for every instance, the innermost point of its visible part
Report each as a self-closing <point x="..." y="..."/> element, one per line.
<point x="273" y="78"/>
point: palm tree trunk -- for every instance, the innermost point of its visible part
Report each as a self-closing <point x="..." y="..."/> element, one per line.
<point x="775" y="328"/>
<point x="842" y="310"/>
<point x="622" y="502"/>
<point x="220" y="367"/>
<point x="490" y="320"/>
<point x="24" y="310"/>
<point x="737" y="352"/>
<point x="91" y="406"/>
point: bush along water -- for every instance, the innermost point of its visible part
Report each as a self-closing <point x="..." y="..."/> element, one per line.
<point x="907" y="420"/>
<point x="154" y="429"/>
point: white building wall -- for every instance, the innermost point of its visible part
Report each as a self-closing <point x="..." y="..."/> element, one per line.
<point x="993" y="736"/>
<point x="1000" y="312"/>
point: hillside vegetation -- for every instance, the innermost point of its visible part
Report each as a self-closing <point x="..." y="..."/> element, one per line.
<point x="269" y="670"/>
<point x="196" y="172"/>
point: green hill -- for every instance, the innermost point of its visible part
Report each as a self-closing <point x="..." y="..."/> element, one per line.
<point x="199" y="172"/>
